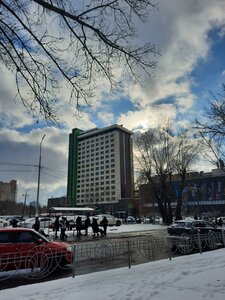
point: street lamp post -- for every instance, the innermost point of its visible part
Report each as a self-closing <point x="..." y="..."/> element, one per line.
<point x="39" y="176"/>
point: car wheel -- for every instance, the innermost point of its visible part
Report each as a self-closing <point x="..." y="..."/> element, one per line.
<point x="185" y="245"/>
<point x="118" y="223"/>
<point x="212" y="241"/>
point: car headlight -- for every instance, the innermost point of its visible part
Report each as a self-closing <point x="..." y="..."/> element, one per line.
<point x="69" y="249"/>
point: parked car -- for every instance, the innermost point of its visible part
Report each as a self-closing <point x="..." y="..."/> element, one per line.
<point x="130" y="220"/>
<point x="222" y="218"/>
<point x="191" y="227"/>
<point x="4" y="222"/>
<point x="113" y="221"/>
<point x="45" y="222"/>
<point x="187" y="231"/>
<point x="22" y="248"/>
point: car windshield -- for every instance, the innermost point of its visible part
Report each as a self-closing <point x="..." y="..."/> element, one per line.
<point x="44" y="238"/>
<point x="179" y="224"/>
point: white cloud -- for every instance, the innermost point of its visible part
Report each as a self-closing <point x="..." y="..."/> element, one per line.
<point x="180" y="29"/>
<point x="148" y="117"/>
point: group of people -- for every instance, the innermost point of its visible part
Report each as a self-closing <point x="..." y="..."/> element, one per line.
<point x="62" y="225"/>
<point x="58" y="225"/>
<point x="81" y="226"/>
<point x="95" y="227"/>
<point x="94" y="224"/>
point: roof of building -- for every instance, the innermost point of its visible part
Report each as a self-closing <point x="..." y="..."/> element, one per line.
<point x="96" y="131"/>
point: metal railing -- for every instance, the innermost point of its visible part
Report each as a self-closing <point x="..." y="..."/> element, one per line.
<point x="186" y="244"/>
<point x="37" y="263"/>
<point x="105" y="253"/>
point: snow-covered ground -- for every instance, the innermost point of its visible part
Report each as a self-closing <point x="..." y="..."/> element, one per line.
<point x="122" y="229"/>
<point x="197" y="277"/>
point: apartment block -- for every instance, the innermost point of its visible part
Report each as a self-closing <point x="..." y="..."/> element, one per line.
<point x="8" y="191"/>
<point x="100" y="167"/>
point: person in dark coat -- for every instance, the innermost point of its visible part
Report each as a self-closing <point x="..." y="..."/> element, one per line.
<point x="36" y="225"/>
<point x="87" y="224"/>
<point x="220" y="222"/>
<point x="78" y="225"/>
<point x="95" y="227"/>
<point x="56" y="226"/>
<point x="14" y="222"/>
<point x="63" y="235"/>
<point x="104" y="224"/>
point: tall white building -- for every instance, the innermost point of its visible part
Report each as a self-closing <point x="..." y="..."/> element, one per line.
<point x="100" y="167"/>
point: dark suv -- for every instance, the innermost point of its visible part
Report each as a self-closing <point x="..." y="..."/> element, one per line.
<point x="190" y="234"/>
<point x="23" y="248"/>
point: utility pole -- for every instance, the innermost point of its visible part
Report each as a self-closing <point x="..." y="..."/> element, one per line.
<point x="39" y="176"/>
<point x="24" y="204"/>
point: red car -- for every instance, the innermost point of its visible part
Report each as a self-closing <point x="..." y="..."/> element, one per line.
<point x="23" y="248"/>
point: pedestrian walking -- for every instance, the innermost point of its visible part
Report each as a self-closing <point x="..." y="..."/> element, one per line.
<point x="56" y="226"/>
<point x="14" y="222"/>
<point x="87" y="224"/>
<point x="36" y="225"/>
<point x="105" y="223"/>
<point x="78" y="225"/>
<point x="95" y="227"/>
<point x="220" y="222"/>
<point x="63" y="229"/>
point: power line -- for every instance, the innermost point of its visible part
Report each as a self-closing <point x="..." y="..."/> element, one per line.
<point x="16" y="164"/>
<point x="16" y="171"/>
<point x="60" y="177"/>
<point x="28" y="165"/>
<point x="55" y="170"/>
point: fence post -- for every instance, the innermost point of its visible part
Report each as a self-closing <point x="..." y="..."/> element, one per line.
<point x="129" y="254"/>
<point x="168" y="246"/>
<point x="199" y="243"/>
<point x="223" y="237"/>
<point x="74" y="253"/>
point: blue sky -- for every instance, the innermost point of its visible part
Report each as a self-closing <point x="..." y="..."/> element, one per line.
<point x="191" y="37"/>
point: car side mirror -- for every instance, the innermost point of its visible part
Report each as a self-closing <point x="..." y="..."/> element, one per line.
<point x="39" y="241"/>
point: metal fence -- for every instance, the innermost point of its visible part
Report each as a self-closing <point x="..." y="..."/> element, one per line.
<point x="186" y="244"/>
<point x="37" y="263"/>
<point x="106" y="253"/>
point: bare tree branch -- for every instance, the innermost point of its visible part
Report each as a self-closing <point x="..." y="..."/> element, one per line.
<point x="80" y="42"/>
<point x="212" y="129"/>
